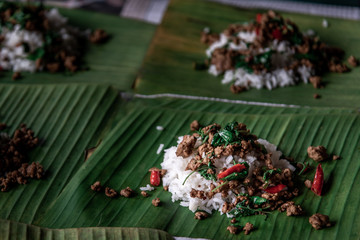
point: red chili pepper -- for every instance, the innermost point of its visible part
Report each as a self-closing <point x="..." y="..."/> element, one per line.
<point x="318" y="181"/>
<point x="236" y="168"/>
<point x="155" y="178"/>
<point x="275" y="189"/>
<point x="276" y="33"/>
<point x="258" y="17"/>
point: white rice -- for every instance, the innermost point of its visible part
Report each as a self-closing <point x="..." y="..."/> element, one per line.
<point x="176" y="174"/>
<point x="159" y="128"/>
<point x="281" y="57"/>
<point x="147" y="188"/>
<point x="160" y="148"/>
<point x="247" y="36"/>
<point x="325" y="23"/>
<point x="218" y="44"/>
<point x="12" y="54"/>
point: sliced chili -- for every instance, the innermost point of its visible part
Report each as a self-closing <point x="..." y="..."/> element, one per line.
<point x="275" y="189"/>
<point x="276" y="33"/>
<point x="318" y="181"/>
<point x="258" y="17"/>
<point x="234" y="169"/>
<point x="155" y="178"/>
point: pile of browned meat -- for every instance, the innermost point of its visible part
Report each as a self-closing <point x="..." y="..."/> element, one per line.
<point x="14" y="166"/>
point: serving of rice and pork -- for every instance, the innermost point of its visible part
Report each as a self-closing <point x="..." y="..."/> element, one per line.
<point x="33" y="38"/>
<point x="231" y="171"/>
<point x="270" y="52"/>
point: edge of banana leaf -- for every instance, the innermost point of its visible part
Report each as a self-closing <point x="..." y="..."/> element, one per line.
<point x="15" y="230"/>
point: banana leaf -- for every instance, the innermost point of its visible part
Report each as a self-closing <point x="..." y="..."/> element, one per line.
<point x="14" y="230"/>
<point x="115" y="62"/>
<point x="230" y="106"/>
<point x="126" y="154"/>
<point x="176" y="45"/>
<point x="70" y="118"/>
<point x="67" y="119"/>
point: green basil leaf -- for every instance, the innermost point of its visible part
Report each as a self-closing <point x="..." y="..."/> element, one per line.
<point x="256" y="200"/>
<point x="270" y="172"/>
<point x="236" y="175"/>
<point x="38" y="53"/>
<point x="204" y="172"/>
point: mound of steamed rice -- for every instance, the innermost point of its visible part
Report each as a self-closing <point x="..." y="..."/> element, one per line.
<point x="176" y="174"/>
<point x="278" y="77"/>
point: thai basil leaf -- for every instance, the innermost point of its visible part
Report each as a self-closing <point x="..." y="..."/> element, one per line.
<point x="256" y="200"/>
<point x="270" y="172"/>
<point x="204" y="137"/>
<point x="264" y="59"/>
<point x="236" y="175"/>
<point x="204" y="172"/>
<point x="310" y="56"/>
<point x="231" y="126"/>
<point x="243" y="64"/>
<point x="38" y="53"/>
<point x="20" y="17"/>
<point x="243" y="210"/>
<point x="230" y="135"/>
<point x="217" y="140"/>
<point x="296" y="39"/>
<point x="227" y="136"/>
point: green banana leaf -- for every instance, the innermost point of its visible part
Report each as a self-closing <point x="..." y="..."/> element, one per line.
<point x="231" y="106"/>
<point x="74" y="116"/>
<point x="126" y="154"/>
<point x="13" y="230"/>
<point x="176" y="45"/>
<point x="115" y="62"/>
<point x="67" y="119"/>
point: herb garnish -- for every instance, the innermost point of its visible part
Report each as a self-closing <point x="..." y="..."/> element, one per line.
<point x="204" y="137"/>
<point x="230" y="135"/>
<point x="242" y="209"/>
<point x="203" y="171"/>
<point x="243" y="61"/>
<point x="268" y="174"/>
<point x="236" y="172"/>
